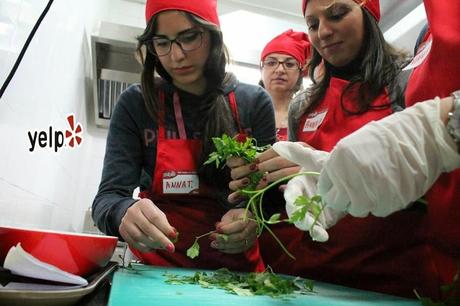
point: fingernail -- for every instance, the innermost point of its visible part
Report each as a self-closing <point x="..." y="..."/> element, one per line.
<point x="245" y="182"/>
<point x="253" y="167"/>
<point x="173" y="234"/>
<point x="170" y="248"/>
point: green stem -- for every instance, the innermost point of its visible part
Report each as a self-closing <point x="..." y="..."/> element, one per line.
<point x="204" y="235"/>
<point x="279" y="242"/>
<point x="317" y="217"/>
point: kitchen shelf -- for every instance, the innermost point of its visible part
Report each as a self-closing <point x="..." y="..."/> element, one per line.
<point x="114" y="66"/>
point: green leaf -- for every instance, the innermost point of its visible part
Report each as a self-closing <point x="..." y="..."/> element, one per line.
<point x="301" y="201"/>
<point x="274" y="218"/>
<point x="298" y="215"/>
<point x="176" y="239"/>
<point x="224" y="237"/>
<point x="240" y="291"/>
<point x="194" y="250"/>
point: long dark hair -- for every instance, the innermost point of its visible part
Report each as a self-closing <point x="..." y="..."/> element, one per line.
<point x="217" y="118"/>
<point x="379" y="67"/>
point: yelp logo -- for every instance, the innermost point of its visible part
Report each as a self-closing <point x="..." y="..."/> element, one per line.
<point x="56" y="139"/>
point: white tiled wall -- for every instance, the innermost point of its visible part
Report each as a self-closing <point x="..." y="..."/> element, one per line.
<point x="43" y="188"/>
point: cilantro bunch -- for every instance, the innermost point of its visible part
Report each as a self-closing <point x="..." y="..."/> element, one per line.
<point x="246" y="284"/>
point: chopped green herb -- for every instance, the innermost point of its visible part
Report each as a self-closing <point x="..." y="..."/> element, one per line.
<point x="194" y="250"/>
<point x="247" y="284"/>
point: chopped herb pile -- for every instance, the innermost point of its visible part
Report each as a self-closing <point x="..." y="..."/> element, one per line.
<point x="246" y="284"/>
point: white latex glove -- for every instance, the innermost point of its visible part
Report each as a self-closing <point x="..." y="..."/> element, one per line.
<point x="311" y="161"/>
<point x="386" y="165"/>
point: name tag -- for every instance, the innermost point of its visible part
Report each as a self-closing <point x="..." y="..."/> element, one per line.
<point x="313" y="121"/>
<point x="180" y="182"/>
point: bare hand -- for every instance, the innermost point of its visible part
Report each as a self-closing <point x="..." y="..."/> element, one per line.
<point x="145" y="227"/>
<point x="240" y="234"/>
<point x="273" y="166"/>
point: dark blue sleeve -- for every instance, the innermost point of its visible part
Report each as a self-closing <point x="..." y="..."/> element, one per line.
<point x="122" y="164"/>
<point x="256" y="112"/>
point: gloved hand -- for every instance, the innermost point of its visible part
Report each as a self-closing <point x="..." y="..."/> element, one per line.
<point x="386" y="165"/>
<point x="311" y="161"/>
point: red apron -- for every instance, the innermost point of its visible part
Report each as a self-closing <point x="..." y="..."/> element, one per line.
<point x="380" y="254"/>
<point x="281" y="134"/>
<point x="438" y="75"/>
<point x="189" y="205"/>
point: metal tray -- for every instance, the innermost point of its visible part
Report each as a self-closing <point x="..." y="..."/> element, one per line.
<point x="55" y="297"/>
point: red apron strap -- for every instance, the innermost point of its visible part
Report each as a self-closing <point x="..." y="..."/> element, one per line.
<point x="161" y="116"/>
<point x="177" y="114"/>
<point x="179" y="118"/>
<point x="234" y="108"/>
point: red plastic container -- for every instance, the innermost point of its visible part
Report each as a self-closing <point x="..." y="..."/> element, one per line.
<point x="76" y="253"/>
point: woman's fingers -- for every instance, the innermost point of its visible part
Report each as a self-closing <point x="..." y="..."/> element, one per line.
<point x="235" y="232"/>
<point x="125" y="233"/>
<point x="275" y="164"/>
<point x="234" y="162"/>
<point x="235" y="198"/>
<point x="243" y="171"/>
<point x="146" y="227"/>
<point x="269" y="177"/>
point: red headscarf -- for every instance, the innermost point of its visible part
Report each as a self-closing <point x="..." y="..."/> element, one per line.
<point x="205" y="9"/>
<point x="372" y="6"/>
<point x="295" y="44"/>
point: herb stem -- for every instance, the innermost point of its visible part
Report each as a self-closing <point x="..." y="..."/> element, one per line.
<point x="204" y="235"/>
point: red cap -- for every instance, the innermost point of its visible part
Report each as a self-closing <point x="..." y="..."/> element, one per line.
<point x="372" y="6"/>
<point x="205" y="9"/>
<point x="295" y="44"/>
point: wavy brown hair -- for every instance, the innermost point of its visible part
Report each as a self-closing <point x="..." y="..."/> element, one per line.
<point x="379" y="68"/>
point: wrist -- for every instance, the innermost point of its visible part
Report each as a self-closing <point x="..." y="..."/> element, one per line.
<point x="447" y="105"/>
<point x="453" y="118"/>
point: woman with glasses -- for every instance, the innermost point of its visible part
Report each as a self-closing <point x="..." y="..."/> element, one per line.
<point x="282" y="65"/>
<point x="160" y="135"/>
<point x="359" y="83"/>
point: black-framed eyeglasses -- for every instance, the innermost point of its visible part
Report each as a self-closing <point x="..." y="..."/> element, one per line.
<point x="188" y="41"/>
<point x="273" y="63"/>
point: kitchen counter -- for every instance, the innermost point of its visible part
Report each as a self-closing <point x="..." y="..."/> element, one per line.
<point x="146" y="286"/>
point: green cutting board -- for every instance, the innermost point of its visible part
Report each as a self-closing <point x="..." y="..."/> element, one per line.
<point x="146" y="286"/>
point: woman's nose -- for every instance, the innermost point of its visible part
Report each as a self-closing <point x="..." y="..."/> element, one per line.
<point x="177" y="53"/>
<point x="280" y="68"/>
<point x="324" y="30"/>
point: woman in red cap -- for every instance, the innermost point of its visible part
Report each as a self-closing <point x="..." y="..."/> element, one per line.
<point x="412" y="152"/>
<point x="160" y="135"/>
<point x="282" y="65"/>
<point x="359" y="84"/>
